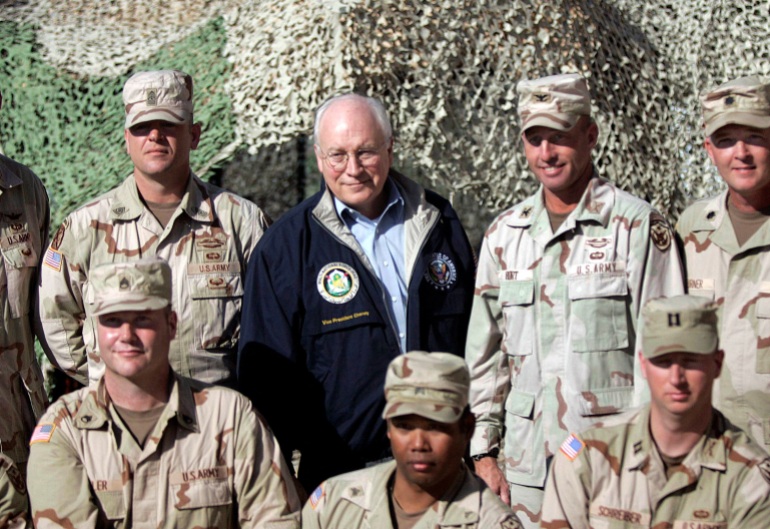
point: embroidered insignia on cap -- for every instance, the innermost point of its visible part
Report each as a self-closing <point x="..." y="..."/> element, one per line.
<point x="729" y="100"/>
<point x="337" y="283"/>
<point x="525" y="213"/>
<point x="441" y="271"/>
<point x="660" y="234"/>
<point x="152" y="97"/>
<point x="510" y="523"/>
<point x="317" y="495"/>
<point x="571" y="447"/>
<point x="541" y="98"/>
<point x="43" y="433"/>
<point x="52" y="259"/>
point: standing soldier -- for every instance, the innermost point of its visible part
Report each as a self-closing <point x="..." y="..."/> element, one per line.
<point x="676" y="463"/>
<point x="726" y="243"/>
<point x="428" y="485"/>
<point x="14" y="504"/>
<point x="562" y="277"/>
<point x="24" y="218"/>
<point x="147" y="448"/>
<point x="206" y="235"/>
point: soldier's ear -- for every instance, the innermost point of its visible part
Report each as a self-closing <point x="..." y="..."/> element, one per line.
<point x="719" y="358"/>
<point x="643" y="364"/>
<point x="125" y="139"/>
<point x="172" y="324"/>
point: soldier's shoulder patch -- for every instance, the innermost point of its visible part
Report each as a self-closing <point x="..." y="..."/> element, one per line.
<point x="660" y="233"/>
<point x="43" y="433"/>
<point x="571" y="447"/>
<point x="52" y="259"/>
<point x="317" y="496"/>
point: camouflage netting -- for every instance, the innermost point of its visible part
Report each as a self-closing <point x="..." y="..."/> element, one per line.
<point x="446" y="69"/>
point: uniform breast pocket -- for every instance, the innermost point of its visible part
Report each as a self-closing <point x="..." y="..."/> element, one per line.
<point x="763" y="329"/>
<point x="599" y="315"/>
<point x="517" y="299"/>
<point x="205" y="502"/>
<point x="216" y="308"/>
<point x="112" y="503"/>
<point x="20" y="261"/>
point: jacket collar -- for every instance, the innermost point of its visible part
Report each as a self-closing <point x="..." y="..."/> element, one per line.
<point x="8" y="178"/>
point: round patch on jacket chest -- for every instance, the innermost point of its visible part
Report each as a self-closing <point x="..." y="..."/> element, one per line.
<point x="441" y="271"/>
<point x="337" y="283"/>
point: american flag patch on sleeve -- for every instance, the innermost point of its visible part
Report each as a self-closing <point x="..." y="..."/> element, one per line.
<point x="317" y="495"/>
<point x="52" y="259"/>
<point x="42" y="433"/>
<point x="571" y="447"/>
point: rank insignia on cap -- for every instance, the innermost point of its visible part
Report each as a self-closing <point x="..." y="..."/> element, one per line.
<point x="52" y="259"/>
<point x="43" y="433"/>
<point x="152" y="97"/>
<point x="317" y="496"/>
<point x="525" y="213"/>
<point x="729" y="100"/>
<point x="337" y="283"/>
<point x="571" y="447"/>
<point x="541" y="98"/>
<point x="441" y="271"/>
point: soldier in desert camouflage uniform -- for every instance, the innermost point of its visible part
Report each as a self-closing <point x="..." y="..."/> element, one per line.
<point x="561" y="279"/>
<point x="147" y="447"/>
<point x="676" y="463"/>
<point x="727" y="248"/>
<point x="205" y="234"/>
<point x="14" y="505"/>
<point x="24" y="219"/>
<point x="428" y="486"/>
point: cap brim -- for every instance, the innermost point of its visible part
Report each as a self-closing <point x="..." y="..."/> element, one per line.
<point x="128" y="303"/>
<point x="737" y="118"/>
<point x="686" y="341"/>
<point x="440" y="412"/>
<point x="171" y="115"/>
<point x="551" y="120"/>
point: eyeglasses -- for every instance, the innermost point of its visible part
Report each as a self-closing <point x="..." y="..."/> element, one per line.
<point x="338" y="160"/>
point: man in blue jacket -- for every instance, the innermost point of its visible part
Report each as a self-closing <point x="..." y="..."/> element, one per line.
<point x="367" y="269"/>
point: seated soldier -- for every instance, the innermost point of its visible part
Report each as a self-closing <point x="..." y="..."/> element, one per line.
<point x="147" y="447"/>
<point x="677" y="462"/>
<point x="428" y="485"/>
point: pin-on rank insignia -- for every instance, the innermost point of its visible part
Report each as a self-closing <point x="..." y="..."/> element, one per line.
<point x="152" y="97"/>
<point x="441" y="272"/>
<point x="337" y="283"/>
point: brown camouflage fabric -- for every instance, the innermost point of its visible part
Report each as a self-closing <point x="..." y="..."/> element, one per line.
<point x="207" y="243"/>
<point x="614" y="477"/>
<point x="14" y="505"/>
<point x="737" y="279"/>
<point x="209" y="462"/>
<point x="553" y="330"/>
<point x="24" y="217"/>
<point x="360" y="500"/>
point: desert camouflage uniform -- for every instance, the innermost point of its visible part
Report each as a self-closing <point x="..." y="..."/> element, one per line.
<point x="13" y="494"/>
<point x="207" y="242"/>
<point x="209" y="462"/>
<point x="738" y="279"/>
<point x="552" y="334"/>
<point x="360" y="499"/>
<point x="23" y="231"/>
<point x="614" y="477"/>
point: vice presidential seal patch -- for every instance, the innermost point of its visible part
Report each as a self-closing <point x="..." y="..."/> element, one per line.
<point x="337" y="283"/>
<point x="441" y="271"/>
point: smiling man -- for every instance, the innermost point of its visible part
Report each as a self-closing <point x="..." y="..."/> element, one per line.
<point x="677" y="462"/>
<point x="428" y="485"/>
<point x="205" y="233"/>
<point x="147" y="447"/>
<point x="727" y="248"/>
<point x="368" y="268"/>
<point x="561" y="281"/>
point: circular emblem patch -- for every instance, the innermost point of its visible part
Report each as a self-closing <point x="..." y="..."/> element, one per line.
<point x="661" y="234"/>
<point x="441" y="271"/>
<point x="337" y="283"/>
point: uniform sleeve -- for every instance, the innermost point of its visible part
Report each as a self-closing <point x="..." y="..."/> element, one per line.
<point x="655" y="270"/>
<point x="750" y="503"/>
<point x="490" y="374"/>
<point x="60" y="301"/>
<point x="566" y="499"/>
<point x="59" y="488"/>
<point x="312" y="512"/>
<point x="13" y="494"/>
<point x="267" y="498"/>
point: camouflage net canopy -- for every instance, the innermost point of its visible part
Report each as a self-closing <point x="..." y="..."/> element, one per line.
<point x="446" y="69"/>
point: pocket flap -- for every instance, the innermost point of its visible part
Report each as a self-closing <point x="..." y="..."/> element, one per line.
<point x="605" y="401"/>
<point x="520" y="403"/>
<point x="216" y="285"/>
<point x="517" y="292"/>
<point x="598" y="285"/>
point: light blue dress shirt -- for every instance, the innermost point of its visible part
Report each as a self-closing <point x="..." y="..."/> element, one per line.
<point x="382" y="240"/>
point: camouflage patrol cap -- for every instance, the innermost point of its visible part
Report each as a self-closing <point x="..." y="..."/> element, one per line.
<point x="137" y="285"/>
<point x="556" y="101"/>
<point x="742" y="101"/>
<point x="679" y="324"/>
<point x="165" y="95"/>
<point x="432" y="385"/>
